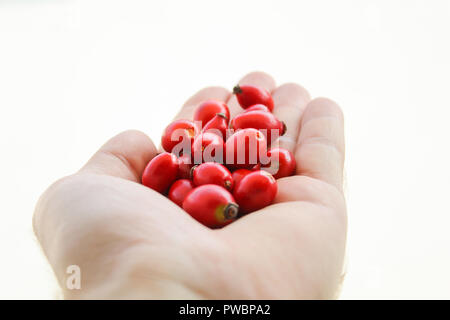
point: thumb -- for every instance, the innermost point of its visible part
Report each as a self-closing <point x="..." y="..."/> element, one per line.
<point x="123" y="156"/>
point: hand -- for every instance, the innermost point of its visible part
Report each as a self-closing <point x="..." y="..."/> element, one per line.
<point x="131" y="242"/>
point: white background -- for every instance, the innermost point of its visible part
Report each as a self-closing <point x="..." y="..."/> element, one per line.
<point x="74" y="73"/>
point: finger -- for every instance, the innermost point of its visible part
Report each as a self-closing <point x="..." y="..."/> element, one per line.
<point x="124" y="156"/>
<point x="259" y="79"/>
<point x="303" y="188"/>
<point x="320" y="147"/>
<point x="209" y="93"/>
<point x="290" y="100"/>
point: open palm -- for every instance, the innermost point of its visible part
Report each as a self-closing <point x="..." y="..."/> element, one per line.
<point x="131" y="242"/>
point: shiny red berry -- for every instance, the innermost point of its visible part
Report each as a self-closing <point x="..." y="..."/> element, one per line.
<point x="208" y="109"/>
<point x="212" y="173"/>
<point x="179" y="190"/>
<point x="207" y="147"/>
<point x="161" y="172"/>
<point x="217" y="125"/>
<point x="245" y="148"/>
<point x="282" y="163"/>
<point x="179" y="133"/>
<point x="211" y="205"/>
<point x="259" y="107"/>
<point x="239" y="174"/>
<point x="248" y="96"/>
<point x="265" y="122"/>
<point x="184" y="166"/>
<point x="255" y="191"/>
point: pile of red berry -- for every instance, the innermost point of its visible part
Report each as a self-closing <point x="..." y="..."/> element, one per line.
<point x="218" y="170"/>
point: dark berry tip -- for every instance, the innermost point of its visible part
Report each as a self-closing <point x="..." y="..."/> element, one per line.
<point x="222" y="115"/>
<point x="231" y="211"/>
<point x="237" y="89"/>
<point x="227" y="185"/>
<point x="284" y="128"/>
<point x="191" y="172"/>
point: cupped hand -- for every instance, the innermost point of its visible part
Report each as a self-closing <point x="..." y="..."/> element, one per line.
<point x="131" y="242"/>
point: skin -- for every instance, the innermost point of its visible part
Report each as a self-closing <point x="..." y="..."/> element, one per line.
<point x="131" y="242"/>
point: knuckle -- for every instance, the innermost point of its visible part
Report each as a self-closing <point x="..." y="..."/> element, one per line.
<point x="213" y="90"/>
<point x="133" y="135"/>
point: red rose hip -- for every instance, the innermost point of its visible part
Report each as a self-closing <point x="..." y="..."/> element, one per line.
<point x="184" y="166"/>
<point x="211" y="205"/>
<point x="266" y="122"/>
<point x="259" y="107"/>
<point x="161" y="172"/>
<point x="207" y="147"/>
<point x="179" y="131"/>
<point x="208" y="109"/>
<point x="245" y="148"/>
<point x="179" y="190"/>
<point x="255" y="191"/>
<point x="239" y="174"/>
<point x="217" y="125"/>
<point x="248" y="96"/>
<point x="212" y="173"/>
<point x="282" y="163"/>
